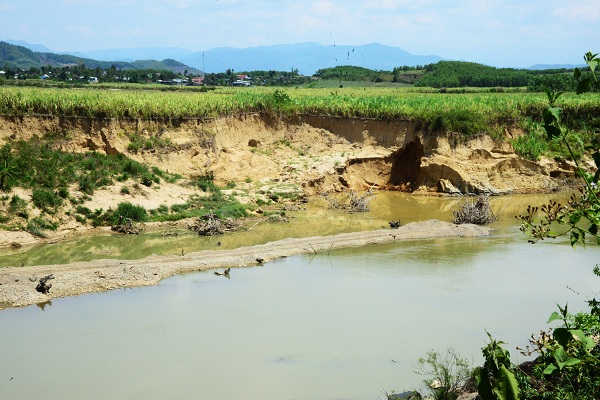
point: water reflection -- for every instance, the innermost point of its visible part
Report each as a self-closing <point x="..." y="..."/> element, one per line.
<point x="344" y="324"/>
<point x="316" y="220"/>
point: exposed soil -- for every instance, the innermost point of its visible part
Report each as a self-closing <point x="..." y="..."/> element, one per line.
<point x="261" y="156"/>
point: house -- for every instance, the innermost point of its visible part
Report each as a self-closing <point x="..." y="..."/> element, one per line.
<point x="198" y="81"/>
<point x="93" y="79"/>
<point x="240" y="83"/>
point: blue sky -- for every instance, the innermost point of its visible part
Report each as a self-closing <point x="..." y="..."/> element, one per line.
<point x="516" y="33"/>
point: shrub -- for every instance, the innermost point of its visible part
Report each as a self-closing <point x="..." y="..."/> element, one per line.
<point x="45" y="199"/>
<point x="148" y="179"/>
<point x="446" y="373"/>
<point x="63" y="192"/>
<point x="128" y="210"/>
<point x="83" y="211"/>
<point x="477" y="212"/>
<point x="207" y="185"/>
<point x="87" y="184"/>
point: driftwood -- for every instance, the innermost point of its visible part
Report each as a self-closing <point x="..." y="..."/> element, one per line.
<point x="43" y="286"/>
<point x="395" y="224"/>
<point x="224" y="273"/>
<point x="211" y="224"/>
<point x="477" y="212"/>
<point x="126" y="226"/>
<point x="353" y="202"/>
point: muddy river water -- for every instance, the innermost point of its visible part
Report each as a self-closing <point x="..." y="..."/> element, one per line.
<point x="345" y="325"/>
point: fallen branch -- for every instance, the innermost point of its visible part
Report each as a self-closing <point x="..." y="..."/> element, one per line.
<point x="211" y="224"/>
<point x="354" y="202"/>
<point x="477" y="212"/>
<point x="126" y="226"/>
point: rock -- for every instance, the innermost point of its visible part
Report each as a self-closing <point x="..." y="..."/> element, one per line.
<point x="469" y="396"/>
<point x="44" y="286"/>
<point x="411" y="395"/>
<point x="445" y="186"/>
<point x="253" y="143"/>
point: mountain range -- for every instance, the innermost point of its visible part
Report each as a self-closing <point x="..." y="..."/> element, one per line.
<point x="307" y="58"/>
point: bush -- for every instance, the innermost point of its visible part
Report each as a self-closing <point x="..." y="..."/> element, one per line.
<point x="446" y="373"/>
<point x="477" y="212"/>
<point x="149" y="178"/>
<point x="128" y="210"/>
<point x="530" y="147"/>
<point x="45" y="199"/>
<point x="207" y="184"/>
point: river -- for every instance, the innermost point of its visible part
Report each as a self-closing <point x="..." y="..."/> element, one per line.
<point x="349" y="324"/>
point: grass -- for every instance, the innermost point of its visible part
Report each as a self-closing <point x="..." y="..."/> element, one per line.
<point x="467" y="110"/>
<point x="49" y="172"/>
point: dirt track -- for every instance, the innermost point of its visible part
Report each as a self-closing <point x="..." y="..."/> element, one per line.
<point x="17" y="285"/>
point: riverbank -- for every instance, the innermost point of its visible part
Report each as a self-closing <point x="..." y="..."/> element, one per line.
<point x="18" y="285"/>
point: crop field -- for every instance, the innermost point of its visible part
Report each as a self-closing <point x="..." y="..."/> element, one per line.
<point x="465" y="111"/>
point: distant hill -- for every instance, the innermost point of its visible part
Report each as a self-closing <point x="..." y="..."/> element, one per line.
<point x="33" y="47"/>
<point x="556" y="66"/>
<point x="24" y="58"/>
<point x="141" y="53"/>
<point x="306" y="57"/>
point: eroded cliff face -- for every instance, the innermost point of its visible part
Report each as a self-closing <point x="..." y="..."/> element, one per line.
<point x="316" y="153"/>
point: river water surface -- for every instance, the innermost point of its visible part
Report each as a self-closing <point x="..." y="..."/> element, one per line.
<point x="345" y="325"/>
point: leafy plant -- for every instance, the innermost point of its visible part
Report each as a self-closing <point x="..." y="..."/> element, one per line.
<point x="495" y="380"/>
<point x="45" y="199"/>
<point x="7" y="174"/>
<point x="581" y="215"/>
<point x="128" y="210"/>
<point x="446" y="373"/>
<point x="568" y="364"/>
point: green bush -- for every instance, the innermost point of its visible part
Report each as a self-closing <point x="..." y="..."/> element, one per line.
<point x="63" y="192"/>
<point x="45" y="199"/>
<point x="148" y="179"/>
<point x="128" y="210"/>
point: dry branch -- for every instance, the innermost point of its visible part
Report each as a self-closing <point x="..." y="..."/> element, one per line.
<point x="477" y="212"/>
<point x="211" y="224"/>
<point x="126" y="226"/>
<point x="353" y="202"/>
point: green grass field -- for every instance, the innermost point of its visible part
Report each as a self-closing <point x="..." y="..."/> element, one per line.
<point x="465" y="111"/>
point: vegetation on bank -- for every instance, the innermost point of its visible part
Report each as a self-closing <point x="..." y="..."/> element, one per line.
<point x="62" y="182"/>
<point x="468" y="114"/>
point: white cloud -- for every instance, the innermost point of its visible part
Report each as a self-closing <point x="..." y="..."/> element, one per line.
<point x="7" y="6"/>
<point x="587" y="13"/>
<point x="80" y="30"/>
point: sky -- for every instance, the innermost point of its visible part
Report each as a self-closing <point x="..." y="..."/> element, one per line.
<point x="502" y="33"/>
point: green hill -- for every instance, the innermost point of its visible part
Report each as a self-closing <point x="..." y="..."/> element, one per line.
<point x="453" y="74"/>
<point x="13" y="56"/>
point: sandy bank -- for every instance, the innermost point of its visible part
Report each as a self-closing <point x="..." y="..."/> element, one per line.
<point x="17" y="285"/>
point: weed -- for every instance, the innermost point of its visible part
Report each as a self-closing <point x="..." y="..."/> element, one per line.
<point x="446" y="373"/>
<point x="46" y="199"/>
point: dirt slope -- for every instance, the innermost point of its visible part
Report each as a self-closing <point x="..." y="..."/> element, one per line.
<point x="261" y="155"/>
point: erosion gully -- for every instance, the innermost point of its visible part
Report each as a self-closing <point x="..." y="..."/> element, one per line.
<point x="346" y="324"/>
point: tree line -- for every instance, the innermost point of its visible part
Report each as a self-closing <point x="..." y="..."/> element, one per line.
<point x="444" y="74"/>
